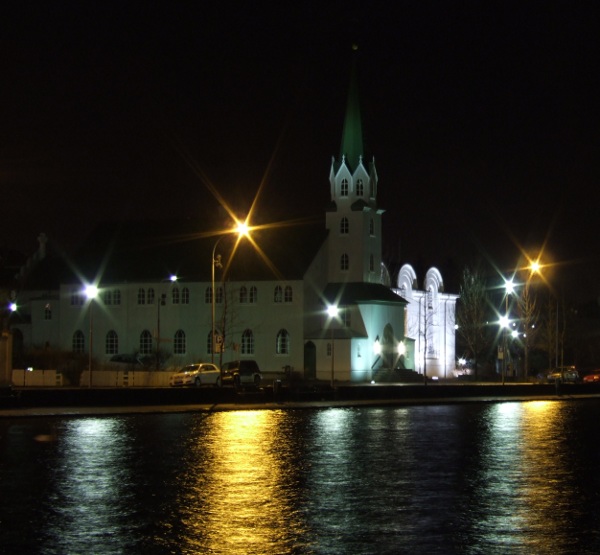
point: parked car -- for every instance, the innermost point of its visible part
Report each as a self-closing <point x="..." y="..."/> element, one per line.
<point x="592" y="377"/>
<point x="563" y="374"/>
<point x="197" y="374"/>
<point x="241" y="373"/>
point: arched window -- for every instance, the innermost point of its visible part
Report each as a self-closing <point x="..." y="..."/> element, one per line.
<point x="371" y="227"/>
<point x="219" y="297"/>
<point x="344" y="188"/>
<point x="112" y="343"/>
<point x="150" y="295"/>
<point x="344" y="262"/>
<point x="344" y="226"/>
<point x="283" y="342"/>
<point x="278" y="295"/>
<point x="243" y="294"/>
<point x="185" y="296"/>
<point x="179" y="343"/>
<point x="78" y="342"/>
<point x="141" y="296"/>
<point x="208" y="295"/>
<point x="253" y="295"/>
<point x="288" y="296"/>
<point x="247" y="342"/>
<point x="145" y="343"/>
<point x="175" y="295"/>
<point x="360" y="189"/>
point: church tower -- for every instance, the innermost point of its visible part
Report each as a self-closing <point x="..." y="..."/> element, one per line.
<point x="353" y="218"/>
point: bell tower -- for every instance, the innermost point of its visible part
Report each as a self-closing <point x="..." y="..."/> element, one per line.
<point x="353" y="218"/>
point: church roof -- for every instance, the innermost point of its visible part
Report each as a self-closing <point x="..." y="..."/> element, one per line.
<point x="154" y="250"/>
<point x="345" y="294"/>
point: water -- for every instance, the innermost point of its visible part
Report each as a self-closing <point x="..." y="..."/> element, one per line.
<point x="469" y="479"/>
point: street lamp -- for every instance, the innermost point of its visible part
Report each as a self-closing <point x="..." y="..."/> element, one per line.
<point x="332" y="311"/>
<point x="91" y="292"/>
<point x="241" y="230"/>
<point x="161" y="302"/>
<point x="509" y="288"/>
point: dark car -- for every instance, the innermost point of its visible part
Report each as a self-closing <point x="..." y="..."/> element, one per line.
<point x="241" y="373"/>
<point x="563" y="374"/>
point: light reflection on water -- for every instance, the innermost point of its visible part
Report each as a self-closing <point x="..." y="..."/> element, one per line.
<point x="465" y="479"/>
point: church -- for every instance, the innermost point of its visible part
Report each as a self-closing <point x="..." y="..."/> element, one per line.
<point x="314" y="299"/>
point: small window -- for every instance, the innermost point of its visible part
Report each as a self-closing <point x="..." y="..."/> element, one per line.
<point x="175" y="295"/>
<point x="247" y="342"/>
<point x="117" y="297"/>
<point x="288" y="294"/>
<point x="283" y="342"/>
<point x="243" y="294"/>
<point x="360" y="188"/>
<point x="145" y="343"/>
<point x="76" y="298"/>
<point x="344" y="263"/>
<point x="344" y="226"/>
<point x="344" y="188"/>
<point x="219" y="297"/>
<point x="141" y="299"/>
<point x="112" y="343"/>
<point x="107" y="297"/>
<point x="185" y="296"/>
<point x="208" y="295"/>
<point x="150" y="295"/>
<point x="179" y="343"/>
<point x="78" y="342"/>
<point x="278" y="294"/>
<point x="253" y="295"/>
<point x="329" y="349"/>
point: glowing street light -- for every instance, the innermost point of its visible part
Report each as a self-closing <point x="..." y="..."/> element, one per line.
<point x="91" y="292"/>
<point x="242" y="230"/>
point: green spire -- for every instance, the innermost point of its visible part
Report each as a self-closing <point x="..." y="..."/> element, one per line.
<point x="352" y="137"/>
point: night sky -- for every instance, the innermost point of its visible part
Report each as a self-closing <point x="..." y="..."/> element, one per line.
<point x="482" y="117"/>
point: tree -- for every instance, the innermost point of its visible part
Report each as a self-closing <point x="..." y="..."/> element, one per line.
<point x="471" y="312"/>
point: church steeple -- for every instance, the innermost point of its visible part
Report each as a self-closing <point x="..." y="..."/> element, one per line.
<point x="352" y="137"/>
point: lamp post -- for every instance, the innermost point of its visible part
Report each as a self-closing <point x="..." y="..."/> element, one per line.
<point x="91" y="292"/>
<point x="332" y="311"/>
<point x="241" y="230"/>
<point x="161" y="302"/>
<point x="509" y="287"/>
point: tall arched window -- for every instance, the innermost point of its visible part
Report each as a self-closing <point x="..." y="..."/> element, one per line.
<point x="288" y="295"/>
<point x="151" y="295"/>
<point x="253" y="295"/>
<point x="344" y="188"/>
<point x="360" y="189"/>
<point x="278" y="294"/>
<point x="344" y="226"/>
<point x="111" y="343"/>
<point x="243" y="294"/>
<point x="78" y="342"/>
<point x="344" y="262"/>
<point x="185" y="296"/>
<point x="141" y="296"/>
<point x="179" y="343"/>
<point x="283" y="342"/>
<point x="145" y="343"/>
<point x="175" y="295"/>
<point x="247" y="342"/>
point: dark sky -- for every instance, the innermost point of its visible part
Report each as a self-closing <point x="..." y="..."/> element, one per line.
<point x="482" y="117"/>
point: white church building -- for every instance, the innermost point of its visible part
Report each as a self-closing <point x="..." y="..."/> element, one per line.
<point x="314" y="299"/>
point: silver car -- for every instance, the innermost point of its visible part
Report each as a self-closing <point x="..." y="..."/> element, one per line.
<point x="197" y="374"/>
